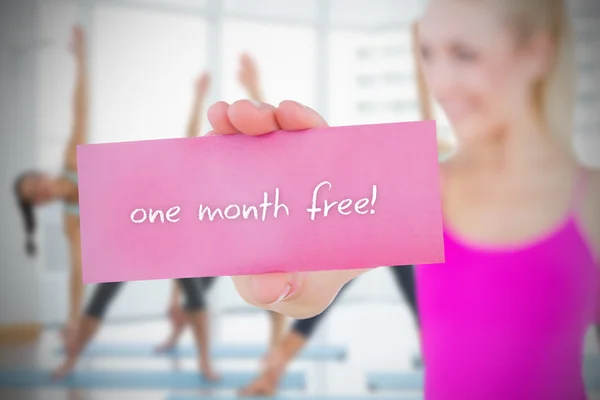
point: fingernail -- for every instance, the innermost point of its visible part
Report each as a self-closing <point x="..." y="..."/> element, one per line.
<point x="287" y="292"/>
<point x="256" y="104"/>
<point x="294" y="102"/>
<point x="301" y="105"/>
<point x="291" y="286"/>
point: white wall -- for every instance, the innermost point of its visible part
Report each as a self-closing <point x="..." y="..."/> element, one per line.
<point x="18" y="286"/>
<point x="143" y="65"/>
<point x="587" y="118"/>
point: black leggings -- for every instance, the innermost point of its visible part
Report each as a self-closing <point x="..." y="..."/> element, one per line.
<point x="193" y="288"/>
<point x="405" y="279"/>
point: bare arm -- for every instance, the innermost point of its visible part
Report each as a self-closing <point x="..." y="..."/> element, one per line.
<point x="80" y="100"/>
<point x="248" y="76"/>
<point x="200" y="90"/>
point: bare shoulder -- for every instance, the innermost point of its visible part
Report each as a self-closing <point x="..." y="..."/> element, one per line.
<point x="590" y="207"/>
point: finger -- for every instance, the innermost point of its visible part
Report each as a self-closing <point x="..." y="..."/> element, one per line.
<point x="293" y="116"/>
<point x="296" y="295"/>
<point x="219" y="119"/>
<point x="252" y="117"/>
<point x="245" y="58"/>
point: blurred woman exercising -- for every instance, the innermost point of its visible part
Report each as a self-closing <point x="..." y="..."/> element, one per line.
<point x="505" y="316"/>
<point x="177" y="313"/>
<point x="248" y="77"/>
<point x="302" y="330"/>
<point x="37" y="188"/>
<point x="194" y="309"/>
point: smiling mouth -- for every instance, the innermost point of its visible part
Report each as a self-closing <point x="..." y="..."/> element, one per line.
<point x="456" y="112"/>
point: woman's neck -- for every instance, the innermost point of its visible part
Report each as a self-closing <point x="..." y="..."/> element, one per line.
<point x="513" y="148"/>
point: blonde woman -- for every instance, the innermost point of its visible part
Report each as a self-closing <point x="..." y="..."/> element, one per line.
<point x="505" y="317"/>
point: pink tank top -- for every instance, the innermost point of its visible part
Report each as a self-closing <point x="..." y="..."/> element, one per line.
<point x="508" y="324"/>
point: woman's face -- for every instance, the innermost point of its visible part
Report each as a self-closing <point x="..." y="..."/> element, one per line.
<point x="38" y="188"/>
<point x="472" y="66"/>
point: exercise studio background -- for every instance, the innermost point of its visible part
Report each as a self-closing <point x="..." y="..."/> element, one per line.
<point x="351" y="60"/>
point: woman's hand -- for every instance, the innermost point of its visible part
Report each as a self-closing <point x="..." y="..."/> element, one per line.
<point x="297" y="295"/>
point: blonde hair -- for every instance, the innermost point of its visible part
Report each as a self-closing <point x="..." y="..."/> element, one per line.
<point x="447" y="146"/>
<point x="555" y="94"/>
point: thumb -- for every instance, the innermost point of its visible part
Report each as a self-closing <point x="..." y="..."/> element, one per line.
<point x="298" y="295"/>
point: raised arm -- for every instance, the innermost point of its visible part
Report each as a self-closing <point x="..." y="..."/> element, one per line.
<point x="248" y="77"/>
<point x="200" y="90"/>
<point x="80" y="99"/>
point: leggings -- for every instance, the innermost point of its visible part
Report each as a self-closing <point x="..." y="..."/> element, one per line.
<point x="193" y="288"/>
<point x="404" y="277"/>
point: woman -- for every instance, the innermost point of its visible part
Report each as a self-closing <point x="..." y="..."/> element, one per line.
<point x="36" y="188"/>
<point x="302" y="330"/>
<point x="506" y="315"/>
<point x="248" y="77"/>
<point x="194" y="309"/>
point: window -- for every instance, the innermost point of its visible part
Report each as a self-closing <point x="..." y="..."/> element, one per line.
<point x="144" y="67"/>
<point x="372" y="78"/>
<point x="55" y="72"/>
<point x="291" y="11"/>
<point x="344" y="77"/>
<point x="587" y="122"/>
<point x="285" y="56"/>
<point x="373" y="14"/>
<point x="195" y="4"/>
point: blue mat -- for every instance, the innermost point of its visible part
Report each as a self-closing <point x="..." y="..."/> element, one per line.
<point x="292" y="397"/>
<point x="242" y="351"/>
<point x="157" y="380"/>
<point x="414" y="381"/>
<point x="395" y="381"/>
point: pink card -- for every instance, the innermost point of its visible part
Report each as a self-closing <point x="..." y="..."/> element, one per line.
<point x="321" y="199"/>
